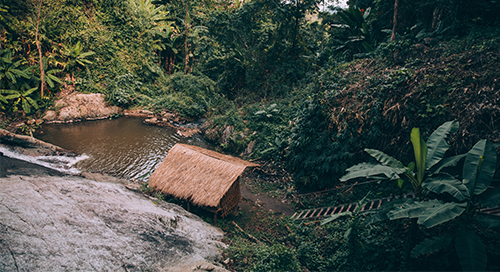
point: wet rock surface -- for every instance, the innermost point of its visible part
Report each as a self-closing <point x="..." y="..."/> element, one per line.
<point x="77" y="107"/>
<point x="31" y="146"/>
<point x="61" y="222"/>
<point x="172" y="120"/>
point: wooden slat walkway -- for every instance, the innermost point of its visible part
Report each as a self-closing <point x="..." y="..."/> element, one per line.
<point x="328" y="211"/>
<point x="371" y="205"/>
<point x="491" y="211"/>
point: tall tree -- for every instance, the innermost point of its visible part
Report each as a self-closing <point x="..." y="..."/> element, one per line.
<point x="395" y="20"/>
<point x="186" y="52"/>
<point x="39" y="46"/>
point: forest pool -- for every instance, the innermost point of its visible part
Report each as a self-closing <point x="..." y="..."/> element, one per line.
<point x="124" y="147"/>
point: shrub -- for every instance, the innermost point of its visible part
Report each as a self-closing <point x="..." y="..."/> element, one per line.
<point x="123" y="90"/>
<point x="190" y="95"/>
<point x="275" y="258"/>
<point x="315" y="156"/>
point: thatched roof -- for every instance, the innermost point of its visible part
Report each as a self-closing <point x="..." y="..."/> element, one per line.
<point x="197" y="174"/>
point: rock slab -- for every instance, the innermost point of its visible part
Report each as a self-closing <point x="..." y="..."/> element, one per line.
<point x="77" y="106"/>
<point x="69" y="223"/>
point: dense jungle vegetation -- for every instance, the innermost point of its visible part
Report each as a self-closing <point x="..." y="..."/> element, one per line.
<point x="318" y="90"/>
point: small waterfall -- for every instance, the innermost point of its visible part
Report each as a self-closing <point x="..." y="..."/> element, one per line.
<point x="59" y="163"/>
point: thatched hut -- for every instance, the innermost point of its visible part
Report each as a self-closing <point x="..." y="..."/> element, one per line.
<point x="203" y="177"/>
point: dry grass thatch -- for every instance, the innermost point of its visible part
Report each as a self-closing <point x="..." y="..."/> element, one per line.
<point x="196" y="174"/>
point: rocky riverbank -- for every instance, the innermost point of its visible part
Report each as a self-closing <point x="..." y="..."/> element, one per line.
<point x="50" y="221"/>
<point x="75" y="107"/>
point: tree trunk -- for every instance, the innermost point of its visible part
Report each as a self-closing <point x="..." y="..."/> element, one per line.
<point x="39" y="46"/>
<point x="186" y="53"/>
<point x="395" y="20"/>
<point x="171" y="64"/>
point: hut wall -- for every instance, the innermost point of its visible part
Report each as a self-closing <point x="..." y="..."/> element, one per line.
<point x="230" y="199"/>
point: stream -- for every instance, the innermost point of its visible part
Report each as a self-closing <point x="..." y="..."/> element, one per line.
<point x="124" y="147"/>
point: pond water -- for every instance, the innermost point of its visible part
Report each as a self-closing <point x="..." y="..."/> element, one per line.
<point x="122" y="147"/>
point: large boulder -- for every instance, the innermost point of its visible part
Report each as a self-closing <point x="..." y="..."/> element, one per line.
<point x="68" y="223"/>
<point x="77" y="106"/>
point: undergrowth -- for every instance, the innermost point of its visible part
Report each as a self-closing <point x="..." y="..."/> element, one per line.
<point x="321" y="128"/>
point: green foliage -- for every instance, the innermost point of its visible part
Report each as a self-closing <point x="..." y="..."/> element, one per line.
<point x="364" y="248"/>
<point x="449" y="185"/>
<point x="11" y="72"/>
<point x="260" y="48"/>
<point x="431" y="245"/>
<point x="351" y="234"/>
<point x="471" y="252"/>
<point x="275" y="258"/>
<point x="427" y="155"/>
<point x="478" y="172"/>
<point x="317" y="160"/>
<point x="50" y="74"/>
<point x="479" y="167"/>
<point x="75" y="57"/>
<point x="15" y="84"/>
<point x="22" y="97"/>
<point x="190" y="95"/>
<point x="123" y="90"/>
<point x="359" y="39"/>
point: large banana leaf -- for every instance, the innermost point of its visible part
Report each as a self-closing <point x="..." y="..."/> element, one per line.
<point x="14" y="94"/>
<point x="479" y="167"/>
<point x="2" y="99"/>
<point x="412" y="209"/>
<point x="334" y="217"/>
<point x="384" y="158"/>
<point x="430" y="245"/>
<point x="51" y="78"/>
<point x="370" y="170"/>
<point x="30" y="91"/>
<point x="447" y="162"/>
<point x="26" y="106"/>
<point x="447" y="184"/>
<point x="470" y="251"/>
<point x="380" y="214"/>
<point x="420" y="151"/>
<point x="32" y="102"/>
<point x="441" y="213"/>
<point x="437" y="143"/>
<point x="490" y="198"/>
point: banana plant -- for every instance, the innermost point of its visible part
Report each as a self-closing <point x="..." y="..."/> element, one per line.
<point x="10" y="72"/>
<point x="21" y="96"/>
<point x="3" y="100"/>
<point x="14" y="78"/>
<point x="75" y="55"/>
<point x="354" y="19"/>
<point x="468" y="194"/>
<point x="50" y="74"/>
<point x="74" y="58"/>
<point x="146" y="10"/>
<point x="427" y="165"/>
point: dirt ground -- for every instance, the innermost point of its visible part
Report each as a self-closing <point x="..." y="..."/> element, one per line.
<point x="263" y="201"/>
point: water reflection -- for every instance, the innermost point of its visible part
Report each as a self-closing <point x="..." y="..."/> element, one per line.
<point x="123" y="147"/>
